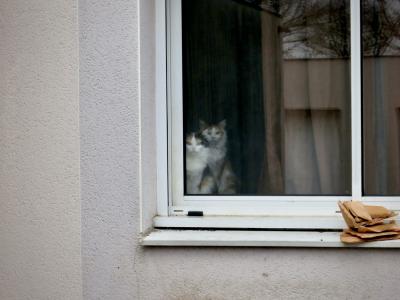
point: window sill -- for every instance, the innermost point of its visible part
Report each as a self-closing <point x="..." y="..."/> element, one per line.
<point x="256" y="222"/>
<point x="241" y="238"/>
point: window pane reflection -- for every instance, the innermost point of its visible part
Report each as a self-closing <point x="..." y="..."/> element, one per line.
<point x="381" y="96"/>
<point x="266" y="88"/>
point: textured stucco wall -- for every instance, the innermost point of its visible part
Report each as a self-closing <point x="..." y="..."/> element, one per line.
<point x="114" y="265"/>
<point x="39" y="176"/>
<point x="40" y="248"/>
<point x="109" y="147"/>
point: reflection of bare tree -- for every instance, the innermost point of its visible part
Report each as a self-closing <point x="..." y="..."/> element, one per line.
<point x="315" y="28"/>
<point x="321" y="28"/>
<point x="381" y="27"/>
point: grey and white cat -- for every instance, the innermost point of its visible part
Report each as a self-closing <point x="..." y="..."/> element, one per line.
<point x="198" y="181"/>
<point x="217" y="161"/>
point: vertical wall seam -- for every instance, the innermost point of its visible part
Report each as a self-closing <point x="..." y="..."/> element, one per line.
<point x="140" y="119"/>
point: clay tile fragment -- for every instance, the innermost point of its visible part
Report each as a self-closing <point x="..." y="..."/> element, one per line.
<point x="373" y="222"/>
<point x="378" y="211"/>
<point x="384" y="238"/>
<point x="359" y="220"/>
<point x="347" y="204"/>
<point x="368" y="223"/>
<point x="379" y="228"/>
<point x="350" y="239"/>
<point x="348" y="218"/>
<point x="358" y="209"/>
<point x="369" y="235"/>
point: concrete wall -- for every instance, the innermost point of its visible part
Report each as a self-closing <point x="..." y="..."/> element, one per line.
<point x="39" y="152"/>
<point x="109" y="92"/>
<point x="114" y="265"/>
<point x="40" y="248"/>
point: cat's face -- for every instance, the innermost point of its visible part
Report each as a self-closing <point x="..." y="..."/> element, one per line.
<point x="213" y="133"/>
<point x="194" y="143"/>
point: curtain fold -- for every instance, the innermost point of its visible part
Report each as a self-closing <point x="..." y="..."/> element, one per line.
<point x="271" y="180"/>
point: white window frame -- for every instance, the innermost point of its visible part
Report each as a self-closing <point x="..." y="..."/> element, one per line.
<point x="312" y="212"/>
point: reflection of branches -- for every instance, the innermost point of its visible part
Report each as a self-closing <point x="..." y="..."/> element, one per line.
<point x="381" y="30"/>
<point x="322" y="27"/>
<point x="316" y="28"/>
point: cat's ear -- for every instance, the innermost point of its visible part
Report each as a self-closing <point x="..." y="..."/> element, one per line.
<point x="203" y="125"/>
<point x="222" y="124"/>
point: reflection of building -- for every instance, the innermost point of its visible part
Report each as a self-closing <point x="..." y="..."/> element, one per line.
<point x="316" y="96"/>
<point x="308" y="101"/>
<point x="381" y="95"/>
<point x="316" y="99"/>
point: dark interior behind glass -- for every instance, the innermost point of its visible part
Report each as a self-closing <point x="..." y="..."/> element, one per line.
<point x="278" y="72"/>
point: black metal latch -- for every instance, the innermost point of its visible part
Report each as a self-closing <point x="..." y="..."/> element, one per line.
<point x="193" y="213"/>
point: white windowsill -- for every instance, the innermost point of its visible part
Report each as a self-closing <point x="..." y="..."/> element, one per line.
<point x="226" y="238"/>
<point x="255" y="222"/>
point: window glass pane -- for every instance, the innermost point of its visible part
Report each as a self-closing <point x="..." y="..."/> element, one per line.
<point x="381" y="96"/>
<point x="266" y="97"/>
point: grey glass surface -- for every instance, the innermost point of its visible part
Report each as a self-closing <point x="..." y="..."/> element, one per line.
<point x="277" y="74"/>
<point x="381" y="97"/>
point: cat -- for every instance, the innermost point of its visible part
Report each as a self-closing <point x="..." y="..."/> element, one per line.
<point x="208" y="184"/>
<point x="218" y="163"/>
<point x="197" y="179"/>
<point x="227" y="180"/>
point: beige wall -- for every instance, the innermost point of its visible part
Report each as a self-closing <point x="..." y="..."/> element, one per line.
<point x="39" y="151"/>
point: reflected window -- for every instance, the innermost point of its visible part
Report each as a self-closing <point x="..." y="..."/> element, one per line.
<point x="381" y="97"/>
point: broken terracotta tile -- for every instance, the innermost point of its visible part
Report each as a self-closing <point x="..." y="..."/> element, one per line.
<point x="377" y="221"/>
<point x="379" y="228"/>
<point x="367" y="223"/>
<point x="369" y="235"/>
<point x="378" y="211"/>
<point x="348" y="218"/>
<point x="350" y="239"/>
<point x="384" y="238"/>
<point x="358" y="209"/>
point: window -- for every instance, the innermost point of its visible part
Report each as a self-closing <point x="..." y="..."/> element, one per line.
<point x="277" y="107"/>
